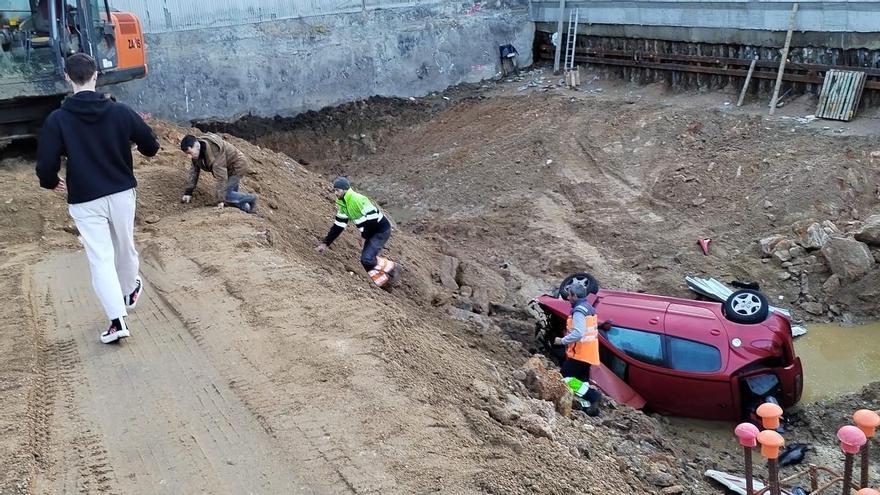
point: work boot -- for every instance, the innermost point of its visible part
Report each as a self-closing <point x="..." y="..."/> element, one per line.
<point x="589" y="408"/>
<point x="118" y="330"/>
<point x="395" y="274"/>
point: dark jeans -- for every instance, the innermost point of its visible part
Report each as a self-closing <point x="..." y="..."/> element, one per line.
<point x="581" y="371"/>
<point x="236" y="198"/>
<point x="372" y="247"/>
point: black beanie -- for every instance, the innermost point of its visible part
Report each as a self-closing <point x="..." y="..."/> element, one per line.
<point x="341" y="183"/>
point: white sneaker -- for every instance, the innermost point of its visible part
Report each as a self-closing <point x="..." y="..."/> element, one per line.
<point x="132" y="299"/>
<point x="114" y="333"/>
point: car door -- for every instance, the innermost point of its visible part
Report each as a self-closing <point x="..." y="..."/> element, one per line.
<point x="694" y="377"/>
<point x="632" y="347"/>
<point x="636" y="356"/>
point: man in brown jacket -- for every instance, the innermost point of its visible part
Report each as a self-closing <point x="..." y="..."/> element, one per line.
<point x="226" y="163"/>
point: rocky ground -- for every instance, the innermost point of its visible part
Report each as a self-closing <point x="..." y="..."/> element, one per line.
<point x="497" y="193"/>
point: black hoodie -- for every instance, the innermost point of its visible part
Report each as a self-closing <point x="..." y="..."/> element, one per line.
<point x="95" y="134"/>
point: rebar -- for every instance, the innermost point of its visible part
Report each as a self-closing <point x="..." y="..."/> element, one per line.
<point x="773" y="468"/>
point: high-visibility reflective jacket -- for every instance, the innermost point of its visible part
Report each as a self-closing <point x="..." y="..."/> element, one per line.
<point x="359" y="209"/>
<point x="582" y="343"/>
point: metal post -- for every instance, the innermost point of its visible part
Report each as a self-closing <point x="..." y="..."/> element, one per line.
<point x="814" y="478"/>
<point x="559" y="39"/>
<point x="56" y="37"/>
<point x="773" y="468"/>
<point x="847" y="475"/>
<point x="747" y="454"/>
<point x="866" y="451"/>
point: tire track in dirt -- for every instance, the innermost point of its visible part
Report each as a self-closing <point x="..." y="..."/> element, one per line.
<point x="259" y="395"/>
<point x="149" y="415"/>
<point x="329" y="465"/>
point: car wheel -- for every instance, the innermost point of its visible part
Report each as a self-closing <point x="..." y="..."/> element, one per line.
<point x="584" y="279"/>
<point x="746" y="306"/>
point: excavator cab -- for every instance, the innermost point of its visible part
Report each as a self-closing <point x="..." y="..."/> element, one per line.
<point x="36" y="36"/>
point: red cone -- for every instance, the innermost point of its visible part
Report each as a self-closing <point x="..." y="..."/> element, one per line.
<point x="704" y="244"/>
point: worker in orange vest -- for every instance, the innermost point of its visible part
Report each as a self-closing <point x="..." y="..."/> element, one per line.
<point x="582" y="346"/>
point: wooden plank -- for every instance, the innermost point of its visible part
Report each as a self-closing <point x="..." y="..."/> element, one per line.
<point x="834" y="95"/>
<point x="768" y="64"/>
<point x="859" y="96"/>
<point x="560" y="40"/>
<point x="854" y="96"/>
<point x="823" y="95"/>
<point x="783" y="58"/>
<point x="791" y="66"/>
<point x="846" y="94"/>
<point x="742" y="94"/>
<point x="805" y="78"/>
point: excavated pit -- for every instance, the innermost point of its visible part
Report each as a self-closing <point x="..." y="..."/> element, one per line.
<point x="497" y="194"/>
<point x="532" y="186"/>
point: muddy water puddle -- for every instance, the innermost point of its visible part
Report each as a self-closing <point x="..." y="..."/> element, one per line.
<point x="838" y="359"/>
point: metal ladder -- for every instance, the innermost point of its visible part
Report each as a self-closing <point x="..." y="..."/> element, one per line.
<point x="571" y="39"/>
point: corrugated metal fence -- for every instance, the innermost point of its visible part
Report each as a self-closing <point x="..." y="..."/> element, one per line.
<point x="161" y="16"/>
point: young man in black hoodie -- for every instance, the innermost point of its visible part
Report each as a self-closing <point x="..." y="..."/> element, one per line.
<point x="95" y="134"/>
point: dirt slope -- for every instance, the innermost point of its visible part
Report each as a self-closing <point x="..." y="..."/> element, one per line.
<point x="620" y="183"/>
<point x="257" y="365"/>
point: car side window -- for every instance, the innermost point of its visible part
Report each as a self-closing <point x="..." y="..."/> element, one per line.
<point x="644" y="346"/>
<point x="687" y="355"/>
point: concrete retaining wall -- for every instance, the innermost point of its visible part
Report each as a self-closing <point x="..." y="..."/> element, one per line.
<point x="289" y="66"/>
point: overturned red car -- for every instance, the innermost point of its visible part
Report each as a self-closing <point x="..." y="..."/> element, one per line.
<point x="684" y="357"/>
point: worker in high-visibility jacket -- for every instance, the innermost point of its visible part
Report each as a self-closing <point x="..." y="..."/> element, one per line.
<point x="582" y="348"/>
<point x="375" y="231"/>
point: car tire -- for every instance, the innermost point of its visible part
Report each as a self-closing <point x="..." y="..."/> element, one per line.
<point x="746" y="306"/>
<point x="584" y="278"/>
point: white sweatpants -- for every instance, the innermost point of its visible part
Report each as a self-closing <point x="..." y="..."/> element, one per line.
<point x="106" y="228"/>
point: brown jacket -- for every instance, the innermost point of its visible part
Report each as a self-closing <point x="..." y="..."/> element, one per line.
<point x="220" y="158"/>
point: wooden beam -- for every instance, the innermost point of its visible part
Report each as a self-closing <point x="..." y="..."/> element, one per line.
<point x="742" y="94"/>
<point x="744" y="62"/>
<point x="794" y="9"/>
<point x="560" y="40"/>
<point x="812" y="75"/>
<point x="804" y="78"/>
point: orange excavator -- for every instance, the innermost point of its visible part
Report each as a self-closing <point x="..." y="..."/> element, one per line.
<point x="36" y="36"/>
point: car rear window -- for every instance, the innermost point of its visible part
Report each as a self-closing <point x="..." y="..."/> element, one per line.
<point x="644" y="346"/>
<point x="687" y="355"/>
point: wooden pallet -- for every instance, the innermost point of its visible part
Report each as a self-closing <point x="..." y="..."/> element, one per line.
<point x="841" y="94"/>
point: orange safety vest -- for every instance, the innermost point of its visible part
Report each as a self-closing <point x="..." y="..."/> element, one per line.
<point x="585" y="350"/>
